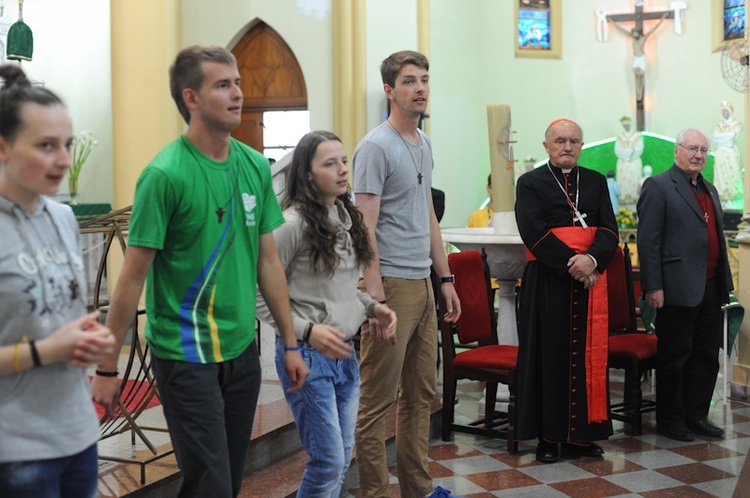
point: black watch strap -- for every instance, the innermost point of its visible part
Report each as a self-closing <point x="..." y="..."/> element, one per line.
<point x="451" y="279"/>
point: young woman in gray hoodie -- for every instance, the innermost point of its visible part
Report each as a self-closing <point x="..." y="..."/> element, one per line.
<point x="48" y="425"/>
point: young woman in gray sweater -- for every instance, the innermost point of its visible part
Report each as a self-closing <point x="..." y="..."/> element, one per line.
<point x="322" y="245"/>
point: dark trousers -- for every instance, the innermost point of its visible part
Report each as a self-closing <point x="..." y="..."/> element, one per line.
<point x="688" y="358"/>
<point x="209" y="410"/>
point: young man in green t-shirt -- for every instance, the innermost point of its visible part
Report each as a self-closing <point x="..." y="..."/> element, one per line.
<point x="201" y="236"/>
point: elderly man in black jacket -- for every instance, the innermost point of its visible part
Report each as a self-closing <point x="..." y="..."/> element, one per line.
<point x="685" y="275"/>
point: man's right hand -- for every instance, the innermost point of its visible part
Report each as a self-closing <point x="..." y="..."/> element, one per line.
<point x="106" y="392"/>
<point x="380" y="334"/>
<point x="655" y="298"/>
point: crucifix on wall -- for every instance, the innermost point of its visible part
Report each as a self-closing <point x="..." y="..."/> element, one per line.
<point x="639" y="37"/>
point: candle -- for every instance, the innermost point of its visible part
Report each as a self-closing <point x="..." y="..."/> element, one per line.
<point x="501" y="158"/>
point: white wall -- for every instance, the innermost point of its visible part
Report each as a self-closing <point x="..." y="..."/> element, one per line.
<point x="391" y="27"/>
<point x="72" y="58"/>
<point x="473" y="65"/>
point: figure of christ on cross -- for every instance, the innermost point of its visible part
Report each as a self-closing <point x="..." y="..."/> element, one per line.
<point x="639" y="53"/>
<point x="639" y="41"/>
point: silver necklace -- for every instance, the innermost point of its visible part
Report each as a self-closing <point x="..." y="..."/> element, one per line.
<point x="578" y="216"/>
<point x="418" y="168"/>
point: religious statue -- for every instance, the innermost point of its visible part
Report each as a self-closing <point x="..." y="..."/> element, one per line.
<point x="639" y="53"/>
<point x="728" y="175"/>
<point x="647" y="172"/>
<point x="628" y="149"/>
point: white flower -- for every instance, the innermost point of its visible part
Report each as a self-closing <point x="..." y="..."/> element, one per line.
<point x="83" y="144"/>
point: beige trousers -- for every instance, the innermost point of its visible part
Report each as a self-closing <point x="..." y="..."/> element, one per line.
<point x="407" y="373"/>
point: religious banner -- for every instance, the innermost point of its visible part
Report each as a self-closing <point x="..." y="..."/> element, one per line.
<point x="538" y="28"/>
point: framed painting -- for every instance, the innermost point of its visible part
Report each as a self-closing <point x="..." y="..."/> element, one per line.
<point x="728" y="23"/>
<point x="538" y="29"/>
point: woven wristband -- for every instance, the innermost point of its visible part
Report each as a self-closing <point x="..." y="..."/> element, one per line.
<point x="100" y="373"/>
<point x="35" y="354"/>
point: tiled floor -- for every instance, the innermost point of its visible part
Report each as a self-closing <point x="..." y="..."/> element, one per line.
<point x="648" y="465"/>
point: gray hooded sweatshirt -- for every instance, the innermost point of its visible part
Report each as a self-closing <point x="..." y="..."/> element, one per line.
<point x="45" y="412"/>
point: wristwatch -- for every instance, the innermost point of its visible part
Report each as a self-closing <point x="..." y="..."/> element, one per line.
<point x="451" y="279"/>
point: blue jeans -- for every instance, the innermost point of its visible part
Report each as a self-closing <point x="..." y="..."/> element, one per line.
<point x="325" y="410"/>
<point x="73" y="476"/>
<point x="209" y="410"/>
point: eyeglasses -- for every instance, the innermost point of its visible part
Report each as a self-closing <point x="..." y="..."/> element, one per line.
<point x="693" y="149"/>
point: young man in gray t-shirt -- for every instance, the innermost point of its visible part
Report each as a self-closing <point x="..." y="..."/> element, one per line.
<point x="392" y="180"/>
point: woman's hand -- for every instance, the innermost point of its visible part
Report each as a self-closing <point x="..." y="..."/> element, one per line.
<point x="82" y="342"/>
<point x="329" y="342"/>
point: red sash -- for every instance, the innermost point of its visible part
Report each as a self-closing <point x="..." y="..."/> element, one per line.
<point x="597" y="326"/>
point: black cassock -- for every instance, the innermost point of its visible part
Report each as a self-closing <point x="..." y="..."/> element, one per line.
<point x="551" y="398"/>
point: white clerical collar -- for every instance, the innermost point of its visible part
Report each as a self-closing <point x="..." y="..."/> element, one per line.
<point x="566" y="171"/>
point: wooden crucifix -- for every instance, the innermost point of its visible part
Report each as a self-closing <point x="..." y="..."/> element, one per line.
<point x="639" y="41"/>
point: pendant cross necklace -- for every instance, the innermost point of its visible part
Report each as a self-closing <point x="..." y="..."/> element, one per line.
<point x="220" y="212"/>
<point x="73" y="286"/>
<point x="579" y="217"/>
<point x="408" y="149"/>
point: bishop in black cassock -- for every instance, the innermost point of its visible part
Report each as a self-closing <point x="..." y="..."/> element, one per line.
<point x="553" y="203"/>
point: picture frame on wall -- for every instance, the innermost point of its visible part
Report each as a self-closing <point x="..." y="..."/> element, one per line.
<point x="728" y="23"/>
<point x="538" y="29"/>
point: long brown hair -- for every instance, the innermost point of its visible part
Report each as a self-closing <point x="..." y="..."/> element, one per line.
<point x="317" y="228"/>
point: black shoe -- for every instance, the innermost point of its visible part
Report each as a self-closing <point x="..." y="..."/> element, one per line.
<point x="547" y="452"/>
<point x="592" y="450"/>
<point x="705" y="428"/>
<point x="678" y="432"/>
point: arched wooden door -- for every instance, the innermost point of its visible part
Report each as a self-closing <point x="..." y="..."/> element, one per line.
<point x="271" y="80"/>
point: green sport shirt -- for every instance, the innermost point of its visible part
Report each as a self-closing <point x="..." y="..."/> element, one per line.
<point x="200" y="294"/>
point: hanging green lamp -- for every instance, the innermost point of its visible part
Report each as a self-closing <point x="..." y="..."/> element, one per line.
<point x="20" y="39"/>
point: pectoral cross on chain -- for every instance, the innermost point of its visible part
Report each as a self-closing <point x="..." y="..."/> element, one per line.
<point x="579" y="218"/>
<point x="705" y="216"/>
<point x="73" y="286"/>
<point x="220" y="213"/>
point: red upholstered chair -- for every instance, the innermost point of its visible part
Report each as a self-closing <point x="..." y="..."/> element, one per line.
<point x="629" y="349"/>
<point x="485" y="360"/>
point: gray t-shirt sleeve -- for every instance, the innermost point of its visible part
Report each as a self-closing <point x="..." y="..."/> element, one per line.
<point x="370" y="168"/>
